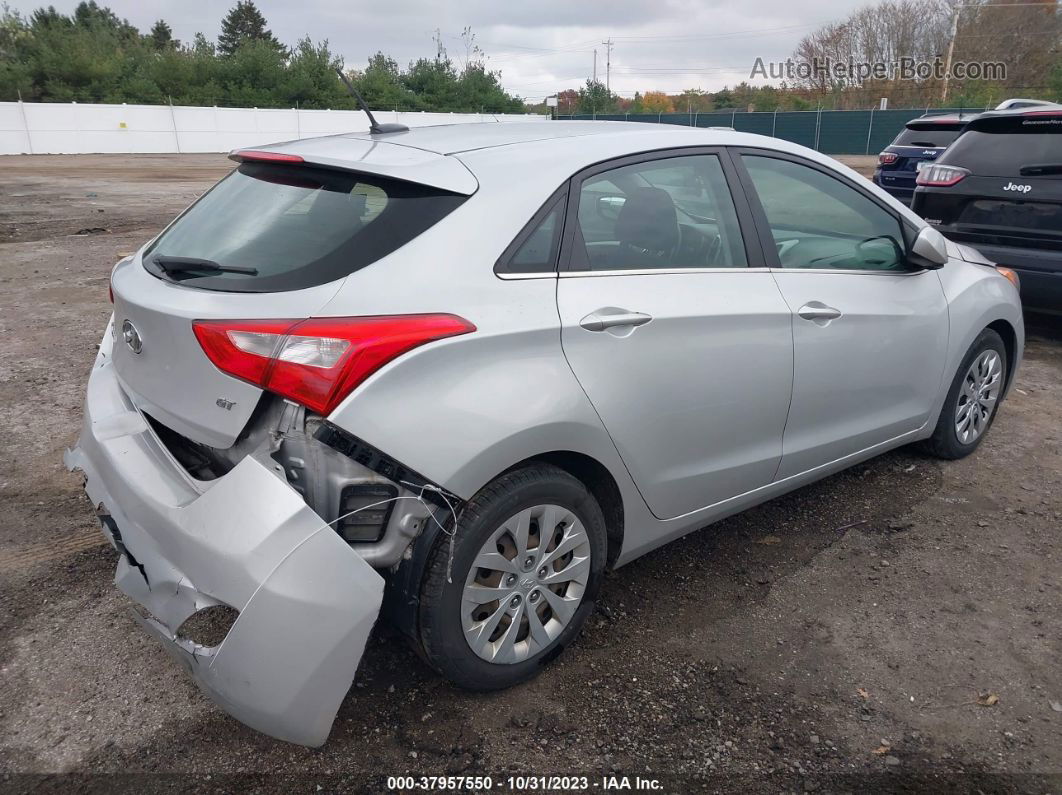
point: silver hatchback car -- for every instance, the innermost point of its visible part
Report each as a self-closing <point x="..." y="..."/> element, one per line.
<point x="450" y="376"/>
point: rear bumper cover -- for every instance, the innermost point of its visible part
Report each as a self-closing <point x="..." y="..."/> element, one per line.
<point x="306" y="600"/>
<point x="898" y="184"/>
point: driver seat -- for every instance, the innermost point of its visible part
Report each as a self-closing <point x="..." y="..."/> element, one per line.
<point x="647" y="229"/>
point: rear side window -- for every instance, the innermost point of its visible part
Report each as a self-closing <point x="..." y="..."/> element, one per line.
<point x="674" y="212"/>
<point x="296" y="226"/>
<point x="936" y="137"/>
<point x="1005" y="147"/>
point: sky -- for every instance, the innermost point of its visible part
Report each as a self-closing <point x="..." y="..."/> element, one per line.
<point x="539" y="46"/>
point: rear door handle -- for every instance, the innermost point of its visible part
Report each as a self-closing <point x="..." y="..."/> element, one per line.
<point x="817" y="311"/>
<point x="610" y="317"/>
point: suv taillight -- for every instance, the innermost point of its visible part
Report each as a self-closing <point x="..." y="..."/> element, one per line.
<point x="319" y="361"/>
<point x="887" y="158"/>
<point x="939" y="176"/>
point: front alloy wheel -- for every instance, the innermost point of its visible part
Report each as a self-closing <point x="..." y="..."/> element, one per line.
<point x="977" y="399"/>
<point x="973" y="399"/>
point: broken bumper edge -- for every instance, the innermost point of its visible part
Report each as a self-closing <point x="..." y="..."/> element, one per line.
<point x="307" y="602"/>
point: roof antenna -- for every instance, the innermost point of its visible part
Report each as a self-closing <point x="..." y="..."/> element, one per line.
<point x="375" y="128"/>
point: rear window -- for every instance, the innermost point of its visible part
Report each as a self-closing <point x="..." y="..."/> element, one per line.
<point x="1002" y="147"/>
<point x="934" y="137"/>
<point x="297" y="226"/>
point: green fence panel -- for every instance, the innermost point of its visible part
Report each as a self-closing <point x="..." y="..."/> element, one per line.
<point x="887" y="125"/>
<point x="843" y="132"/>
<point x="759" y="123"/>
<point x="797" y="126"/>
<point x="835" y="132"/>
<point x="715" y="118"/>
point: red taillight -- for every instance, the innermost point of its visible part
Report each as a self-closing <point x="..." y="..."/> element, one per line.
<point x="938" y="176"/>
<point x="253" y="155"/>
<point x="319" y="361"/>
<point x="888" y="158"/>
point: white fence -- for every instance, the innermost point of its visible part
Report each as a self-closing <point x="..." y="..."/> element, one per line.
<point x="53" y="128"/>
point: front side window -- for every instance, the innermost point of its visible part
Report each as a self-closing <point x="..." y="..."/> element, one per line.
<point x="674" y="212"/>
<point x="819" y="222"/>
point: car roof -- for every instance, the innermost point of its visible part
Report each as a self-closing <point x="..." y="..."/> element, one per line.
<point x="1020" y="102"/>
<point x="450" y="139"/>
<point x="426" y="155"/>
<point x="537" y="155"/>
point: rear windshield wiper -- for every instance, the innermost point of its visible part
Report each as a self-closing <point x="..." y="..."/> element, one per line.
<point x="1041" y="170"/>
<point x="186" y="264"/>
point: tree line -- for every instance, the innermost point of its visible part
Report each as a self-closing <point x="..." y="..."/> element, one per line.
<point x="93" y="55"/>
<point x="1025" y="35"/>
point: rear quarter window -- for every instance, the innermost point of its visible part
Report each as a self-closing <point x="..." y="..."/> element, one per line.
<point x="298" y="226"/>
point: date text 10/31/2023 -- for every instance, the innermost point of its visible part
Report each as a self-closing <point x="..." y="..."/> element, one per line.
<point x="613" y="783"/>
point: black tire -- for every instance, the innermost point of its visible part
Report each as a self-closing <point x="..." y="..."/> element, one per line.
<point x="945" y="443"/>
<point x="441" y="632"/>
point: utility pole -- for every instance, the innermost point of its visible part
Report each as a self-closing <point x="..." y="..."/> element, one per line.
<point x="595" y="64"/>
<point x="608" y="64"/>
<point x="951" y="51"/>
<point x="438" y="45"/>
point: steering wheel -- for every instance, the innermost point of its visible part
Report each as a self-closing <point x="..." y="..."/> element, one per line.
<point x="868" y="260"/>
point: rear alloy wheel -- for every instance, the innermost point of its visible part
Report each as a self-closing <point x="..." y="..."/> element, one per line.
<point x="973" y="399"/>
<point x="528" y="559"/>
<point x="525" y="584"/>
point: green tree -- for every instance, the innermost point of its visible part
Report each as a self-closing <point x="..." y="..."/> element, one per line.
<point x="92" y="55"/>
<point x="15" y="77"/>
<point x="478" y="89"/>
<point x="242" y="24"/>
<point x="1054" y="81"/>
<point x="310" y="77"/>
<point x="594" y="97"/>
<point x="381" y="84"/>
<point x="161" y="36"/>
<point x="433" y="83"/>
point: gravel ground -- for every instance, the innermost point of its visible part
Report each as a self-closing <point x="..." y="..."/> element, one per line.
<point x="893" y="627"/>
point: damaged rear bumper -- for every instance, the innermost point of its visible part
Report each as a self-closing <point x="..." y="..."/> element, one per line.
<point x="247" y="540"/>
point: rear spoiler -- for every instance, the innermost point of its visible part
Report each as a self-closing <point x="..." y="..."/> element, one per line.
<point x="943" y="124"/>
<point x="1024" y="122"/>
<point x="353" y="152"/>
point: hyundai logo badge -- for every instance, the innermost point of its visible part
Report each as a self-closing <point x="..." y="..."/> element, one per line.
<point x="132" y="337"/>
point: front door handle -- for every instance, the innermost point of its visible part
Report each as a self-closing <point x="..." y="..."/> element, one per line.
<point x="610" y="317"/>
<point x="818" y="312"/>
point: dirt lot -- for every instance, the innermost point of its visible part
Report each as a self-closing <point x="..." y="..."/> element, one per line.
<point x="894" y="626"/>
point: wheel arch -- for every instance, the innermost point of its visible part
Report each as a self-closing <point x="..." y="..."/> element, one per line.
<point x="1010" y="343"/>
<point x="402" y="595"/>
<point x="598" y="480"/>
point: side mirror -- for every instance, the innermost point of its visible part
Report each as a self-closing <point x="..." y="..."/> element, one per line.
<point x="929" y="250"/>
<point x="609" y="206"/>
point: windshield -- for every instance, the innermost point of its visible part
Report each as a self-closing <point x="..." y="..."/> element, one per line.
<point x="289" y="227"/>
